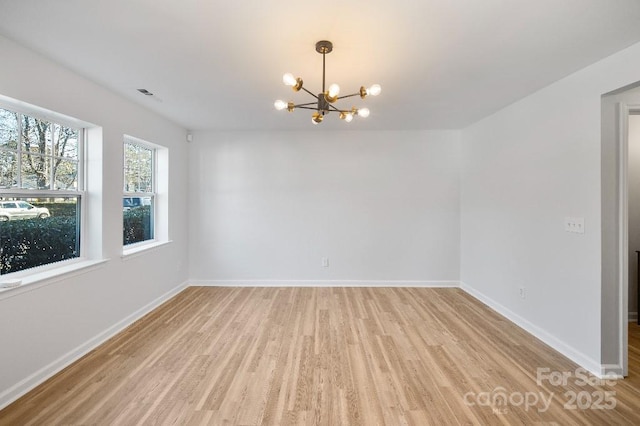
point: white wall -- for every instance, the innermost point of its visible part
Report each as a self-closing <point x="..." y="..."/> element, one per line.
<point x="525" y="169"/>
<point x="42" y="329"/>
<point x="634" y="209"/>
<point x="382" y="206"/>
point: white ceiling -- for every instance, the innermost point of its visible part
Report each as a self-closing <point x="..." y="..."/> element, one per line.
<point x="219" y="64"/>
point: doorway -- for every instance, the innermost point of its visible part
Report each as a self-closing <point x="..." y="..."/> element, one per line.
<point x="633" y="197"/>
<point x="619" y="226"/>
<point x="629" y="223"/>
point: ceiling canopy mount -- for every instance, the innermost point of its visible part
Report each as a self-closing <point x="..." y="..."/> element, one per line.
<point x="324" y="46"/>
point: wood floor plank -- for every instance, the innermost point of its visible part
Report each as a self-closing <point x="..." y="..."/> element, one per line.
<point x="325" y="356"/>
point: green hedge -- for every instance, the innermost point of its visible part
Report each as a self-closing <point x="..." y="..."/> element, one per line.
<point x="29" y="243"/>
<point x="137" y="225"/>
<point x="33" y="242"/>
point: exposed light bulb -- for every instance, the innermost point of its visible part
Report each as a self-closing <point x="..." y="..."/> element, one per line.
<point x="334" y="90"/>
<point x="288" y="79"/>
<point x="280" y="105"/>
<point x="331" y="95"/>
<point x="317" y="118"/>
<point x="374" y="90"/>
<point x="364" y="112"/>
<point x="346" y="116"/>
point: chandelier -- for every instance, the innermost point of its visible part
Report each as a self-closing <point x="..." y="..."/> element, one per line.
<point x="324" y="101"/>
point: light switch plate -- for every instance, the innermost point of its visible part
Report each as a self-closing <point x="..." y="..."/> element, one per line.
<point x="574" y="224"/>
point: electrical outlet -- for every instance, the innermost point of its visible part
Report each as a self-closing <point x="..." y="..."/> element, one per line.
<point x="523" y="293"/>
<point x="325" y="262"/>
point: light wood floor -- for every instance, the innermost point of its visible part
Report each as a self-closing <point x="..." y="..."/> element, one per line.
<point x="333" y="356"/>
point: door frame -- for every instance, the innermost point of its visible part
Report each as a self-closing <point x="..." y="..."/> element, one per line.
<point x="624" y="110"/>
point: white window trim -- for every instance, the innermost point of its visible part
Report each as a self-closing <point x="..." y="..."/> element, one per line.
<point x="135" y="250"/>
<point x="40" y="276"/>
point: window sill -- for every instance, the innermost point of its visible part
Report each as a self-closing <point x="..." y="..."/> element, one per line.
<point x="142" y="248"/>
<point x="36" y="280"/>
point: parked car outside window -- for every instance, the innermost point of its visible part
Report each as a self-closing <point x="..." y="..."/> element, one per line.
<point x="15" y="210"/>
<point x="131" y="202"/>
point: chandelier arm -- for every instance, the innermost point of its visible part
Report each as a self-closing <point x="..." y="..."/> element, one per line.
<point x="346" y="111"/>
<point x="305" y="89"/>
<point x="306" y="107"/>
<point x="332" y="108"/>
<point x="349" y="96"/>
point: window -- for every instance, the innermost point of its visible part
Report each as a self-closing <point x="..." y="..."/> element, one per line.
<point x="139" y="199"/>
<point x="41" y="190"/>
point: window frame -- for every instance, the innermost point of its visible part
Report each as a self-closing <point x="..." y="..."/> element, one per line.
<point x="24" y="109"/>
<point x="154" y="148"/>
